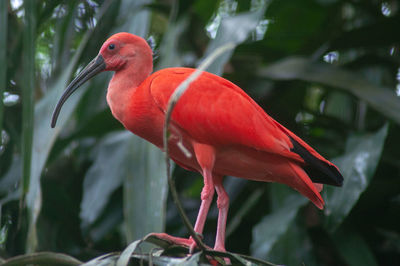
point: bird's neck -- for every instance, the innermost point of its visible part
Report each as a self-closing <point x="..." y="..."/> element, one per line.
<point x="122" y="87"/>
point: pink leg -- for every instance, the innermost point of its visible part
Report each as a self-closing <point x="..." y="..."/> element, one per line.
<point x="223" y="206"/>
<point x="205" y="156"/>
<point x="207" y="195"/>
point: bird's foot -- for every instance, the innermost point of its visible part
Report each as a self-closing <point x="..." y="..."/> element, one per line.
<point x="189" y="243"/>
<point x="193" y="244"/>
<point x="222" y="249"/>
<point x="174" y="240"/>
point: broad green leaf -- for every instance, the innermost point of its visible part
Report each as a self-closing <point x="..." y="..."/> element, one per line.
<point x="126" y="254"/>
<point x="110" y="166"/>
<point x="123" y="158"/>
<point x="145" y="190"/>
<point x="138" y="21"/>
<point x="9" y="182"/>
<point x="235" y="221"/>
<point x="44" y="136"/>
<point x="191" y="259"/>
<point x="234" y="29"/>
<point x="293" y="23"/>
<point x="160" y="260"/>
<point x="267" y="232"/>
<point x="28" y="89"/>
<point x="357" y="166"/>
<point x="106" y="225"/>
<point x="3" y="56"/>
<point x="43" y="140"/>
<point x="339" y="105"/>
<point x="103" y="260"/>
<point x="369" y="35"/>
<point x="169" y="55"/>
<point x="293" y="248"/>
<point x="244" y="261"/>
<point x="353" y="248"/>
<point x="381" y="99"/>
<point x="279" y="195"/>
<point x="170" y="254"/>
<point x="42" y="258"/>
<point x="28" y="116"/>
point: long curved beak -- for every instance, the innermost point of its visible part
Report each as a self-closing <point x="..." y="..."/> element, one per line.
<point x="93" y="68"/>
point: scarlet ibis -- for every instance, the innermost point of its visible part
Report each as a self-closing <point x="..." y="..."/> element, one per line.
<point x="217" y="122"/>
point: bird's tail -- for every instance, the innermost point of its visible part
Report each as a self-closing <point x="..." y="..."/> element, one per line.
<point x="305" y="186"/>
<point x="319" y="169"/>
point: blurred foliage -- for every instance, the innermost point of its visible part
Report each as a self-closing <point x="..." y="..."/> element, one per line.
<point x="329" y="70"/>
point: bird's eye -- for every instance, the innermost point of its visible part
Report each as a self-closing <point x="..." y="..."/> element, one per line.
<point x="111" y="46"/>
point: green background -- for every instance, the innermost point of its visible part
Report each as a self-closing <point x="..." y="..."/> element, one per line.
<point x="328" y="70"/>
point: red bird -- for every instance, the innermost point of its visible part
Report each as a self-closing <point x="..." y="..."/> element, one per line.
<point x="224" y="130"/>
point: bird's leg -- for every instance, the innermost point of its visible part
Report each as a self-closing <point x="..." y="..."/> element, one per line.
<point x="223" y="205"/>
<point x="207" y="195"/>
<point x="205" y="156"/>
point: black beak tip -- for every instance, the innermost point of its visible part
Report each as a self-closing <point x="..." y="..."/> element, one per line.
<point x="54" y="117"/>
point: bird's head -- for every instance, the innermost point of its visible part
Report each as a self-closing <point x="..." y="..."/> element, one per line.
<point x="123" y="49"/>
<point x="119" y="52"/>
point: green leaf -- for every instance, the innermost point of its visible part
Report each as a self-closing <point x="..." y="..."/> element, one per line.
<point x="293" y="248"/>
<point x="267" y="232"/>
<point x="160" y="257"/>
<point x="234" y="29"/>
<point x="244" y="209"/>
<point x="145" y="190"/>
<point x="381" y="99"/>
<point x="370" y="35"/>
<point x="103" y="260"/>
<point x="28" y="117"/>
<point x="28" y="89"/>
<point x="169" y="55"/>
<point x="192" y="260"/>
<point x="44" y="136"/>
<point x="357" y="166"/>
<point x="295" y="26"/>
<point x="123" y="158"/>
<point x="43" y="139"/>
<point x="3" y="57"/>
<point x="138" y="21"/>
<point x="9" y="181"/>
<point x="353" y="248"/>
<point x="161" y="260"/>
<point x="110" y="166"/>
<point x="244" y="261"/>
<point x="42" y="258"/>
<point x="126" y="254"/>
<point x="339" y="105"/>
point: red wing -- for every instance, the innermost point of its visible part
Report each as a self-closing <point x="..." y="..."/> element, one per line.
<point x="215" y="111"/>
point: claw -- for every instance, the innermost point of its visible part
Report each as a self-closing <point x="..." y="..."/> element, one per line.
<point x="193" y="245"/>
<point x="186" y="242"/>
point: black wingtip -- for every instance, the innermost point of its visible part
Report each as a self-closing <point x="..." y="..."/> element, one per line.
<point x="319" y="171"/>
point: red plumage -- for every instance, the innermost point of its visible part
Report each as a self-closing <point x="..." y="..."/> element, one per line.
<point x="222" y="128"/>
